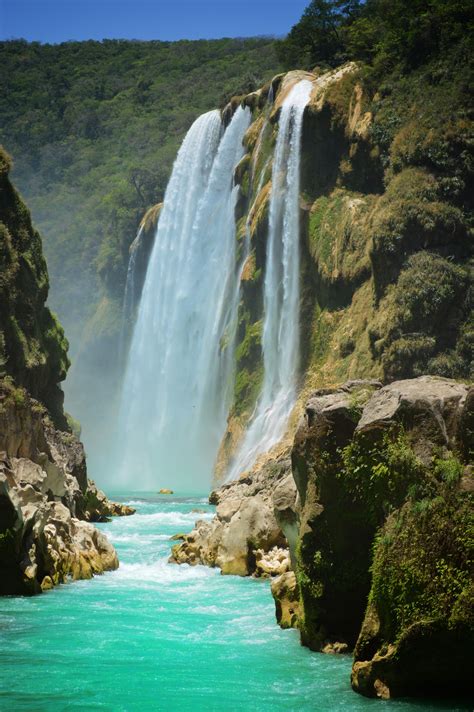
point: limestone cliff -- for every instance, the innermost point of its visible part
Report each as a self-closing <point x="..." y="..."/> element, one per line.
<point x="33" y="349"/>
<point x="377" y="526"/>
<point x="46" y="500"/>
<point x="385" y="501"/>
<point x="386" y="194"/>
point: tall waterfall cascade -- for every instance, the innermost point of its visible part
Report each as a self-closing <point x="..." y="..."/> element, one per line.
<point x="281" y="333"/>
<point x="178" y="379"/>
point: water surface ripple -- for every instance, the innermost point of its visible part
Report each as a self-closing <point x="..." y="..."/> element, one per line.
<point x="155" y="636"/>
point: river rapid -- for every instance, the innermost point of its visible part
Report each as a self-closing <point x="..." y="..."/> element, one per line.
<point x="157" y="636"/>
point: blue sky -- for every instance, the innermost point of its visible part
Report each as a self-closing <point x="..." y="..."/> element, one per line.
<point x="60" y="20"/>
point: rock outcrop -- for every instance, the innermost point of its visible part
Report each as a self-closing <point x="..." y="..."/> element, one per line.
<point x="46" y="500"/>
<point x="244" y="530"/>
<point x="286" y="595"/>
<point x="379" y="473"/>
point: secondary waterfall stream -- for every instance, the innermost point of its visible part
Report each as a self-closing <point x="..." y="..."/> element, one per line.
<point x="281" y="289"/>
<point x="178" y="379"/>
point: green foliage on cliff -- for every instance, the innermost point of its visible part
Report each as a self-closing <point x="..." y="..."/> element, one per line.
<point x="422" y="568"/>
<point x="379" y="474"/>
<point x="390" y="223"/>
<point x="385" y="33"/>
<point x="33" y="348"/>
<point x="94" y="128"/>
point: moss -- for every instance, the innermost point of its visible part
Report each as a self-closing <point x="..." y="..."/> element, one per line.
<point x="424" y="321"/>
<point x="338" y="243"/>
<point x="249" y="376"/>
<point x="74" y="426"/>
<point x="339" y="96"/>
<point x="423" y="563"/>
<point x="248" y="385"/>
<point x="379" y="474"/>
<point x="33" y="346"/>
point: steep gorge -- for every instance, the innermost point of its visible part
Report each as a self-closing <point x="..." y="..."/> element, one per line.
<point x="46" y="499"/>
<point x="386" y="290"/>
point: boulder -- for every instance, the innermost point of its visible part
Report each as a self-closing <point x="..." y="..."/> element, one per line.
<point x="286" y="596"/>
<point x="244" y="523"/>
<point x="429" y="407"/>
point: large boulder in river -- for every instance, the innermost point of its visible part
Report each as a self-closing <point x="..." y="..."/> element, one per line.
<point x="244" y="523"/>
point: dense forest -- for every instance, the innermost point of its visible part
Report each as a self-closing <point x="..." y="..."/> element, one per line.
<point x="93" y="129"/>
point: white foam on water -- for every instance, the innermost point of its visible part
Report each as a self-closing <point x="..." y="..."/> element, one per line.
<point x="178" y="382"/>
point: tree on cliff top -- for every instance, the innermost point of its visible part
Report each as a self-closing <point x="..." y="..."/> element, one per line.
<point x="382" y="32"/>
<point x="318" y="38"/>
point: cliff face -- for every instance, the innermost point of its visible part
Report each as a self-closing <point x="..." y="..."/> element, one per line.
<point x="386" y="193"/>
<point x="376" y="501"/>
<point x="385" y="500"/>
<point x="46" y="500"/>
<point x="33" y="349"/>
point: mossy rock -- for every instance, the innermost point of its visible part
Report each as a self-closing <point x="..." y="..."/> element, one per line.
<point x="33" y="346"/>
<point x="418" y="633"/>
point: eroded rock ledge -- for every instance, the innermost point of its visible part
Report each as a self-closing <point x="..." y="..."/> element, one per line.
<point x="47" y="503"/>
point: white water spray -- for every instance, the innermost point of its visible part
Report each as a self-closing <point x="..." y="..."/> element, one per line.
<point x="178" y="379"/>
<point x="280" y="340"/>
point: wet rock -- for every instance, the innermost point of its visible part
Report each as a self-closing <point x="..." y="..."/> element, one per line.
<point x="98" y="508"/>
<point x="286" y="596"/>
<point x="244" y="523"/>
<point x="271" y="563"/>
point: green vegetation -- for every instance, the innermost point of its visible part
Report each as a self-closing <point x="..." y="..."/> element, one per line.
<point x="33" y="348"/>
<point x="422" y="567"/>
<point x="379" y="475"/>
<point x="390" y="224"/>
<point x="385" y="33"/>
<point x="94" y="128"/>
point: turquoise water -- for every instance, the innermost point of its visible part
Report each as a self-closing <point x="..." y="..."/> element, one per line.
<point x="155" y="636"/>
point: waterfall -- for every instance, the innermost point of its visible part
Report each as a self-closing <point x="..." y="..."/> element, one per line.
<point x="178" y="380"/>
<point x="280" y="340"/>
<point x="128" y="306"/>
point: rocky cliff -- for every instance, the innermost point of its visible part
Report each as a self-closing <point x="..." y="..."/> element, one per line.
<point x="384" y="560"/>
<point x="371" y="488"/>
<point x="46" y="500"/>
<point x="386" y="199"/>
<point x="374" y="503"/>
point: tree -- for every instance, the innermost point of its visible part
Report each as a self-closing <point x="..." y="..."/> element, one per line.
<point x="318" y="37"/>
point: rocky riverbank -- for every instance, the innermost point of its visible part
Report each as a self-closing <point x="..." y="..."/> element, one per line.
<point x="47" y="503"/>
<point x="374" y="502"/>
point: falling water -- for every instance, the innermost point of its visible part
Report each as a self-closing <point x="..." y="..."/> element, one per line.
<point x="280" y="340"/>
<point x="179" y="373"/>
<point x="128" y="306"/>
